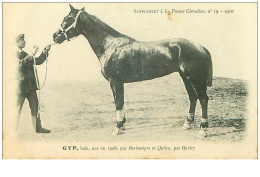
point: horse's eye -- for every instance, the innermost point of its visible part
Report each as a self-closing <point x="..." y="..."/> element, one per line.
<point x="71" y="15"/>
<point x="63" y="25"/>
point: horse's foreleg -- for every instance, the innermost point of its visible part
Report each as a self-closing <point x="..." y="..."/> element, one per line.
<point x="118" y="93"/>
<point x="193" y="101"/>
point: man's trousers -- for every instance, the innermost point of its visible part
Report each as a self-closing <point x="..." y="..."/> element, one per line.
<point x="34" y="106"/>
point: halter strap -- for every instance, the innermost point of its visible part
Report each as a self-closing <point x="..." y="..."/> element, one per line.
<point x="73" y="25"/>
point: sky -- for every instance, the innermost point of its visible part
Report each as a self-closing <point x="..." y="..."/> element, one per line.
<point x="230" y="38"/>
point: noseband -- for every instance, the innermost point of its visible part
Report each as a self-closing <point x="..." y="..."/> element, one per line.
<point x="73" y="25"/>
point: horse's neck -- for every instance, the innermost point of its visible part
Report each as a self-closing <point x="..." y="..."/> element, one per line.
<point x="97" y="33"/>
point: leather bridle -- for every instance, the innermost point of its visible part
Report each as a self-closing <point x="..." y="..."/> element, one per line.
<point x="73" y="25"/>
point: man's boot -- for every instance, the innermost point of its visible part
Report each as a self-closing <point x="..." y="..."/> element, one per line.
<point x="39" y="128"/>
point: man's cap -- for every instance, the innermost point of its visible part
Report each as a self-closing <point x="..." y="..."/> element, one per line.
<point x="19" y="37"/>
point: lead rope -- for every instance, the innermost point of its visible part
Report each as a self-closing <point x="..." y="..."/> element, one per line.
<point x="38" y="83"/>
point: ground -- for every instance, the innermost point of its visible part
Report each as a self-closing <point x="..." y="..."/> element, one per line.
<point x="155" y="110"/>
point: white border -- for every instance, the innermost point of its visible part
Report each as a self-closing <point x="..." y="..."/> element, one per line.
<point x="158" y="168"/>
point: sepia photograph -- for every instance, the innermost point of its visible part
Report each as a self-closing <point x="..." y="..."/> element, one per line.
<point x="130" y="80"/>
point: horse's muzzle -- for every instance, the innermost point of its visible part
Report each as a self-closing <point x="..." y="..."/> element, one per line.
<point x="58" y="37"/>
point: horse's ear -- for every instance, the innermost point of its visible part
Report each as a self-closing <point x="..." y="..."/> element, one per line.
<point x="83" y="9"/>
<point x="72" y="8"/>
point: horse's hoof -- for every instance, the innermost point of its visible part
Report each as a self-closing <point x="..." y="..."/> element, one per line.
<point x="116" y="131"/>
<point x="186" y="125"/>
<point x="202" y="134"/>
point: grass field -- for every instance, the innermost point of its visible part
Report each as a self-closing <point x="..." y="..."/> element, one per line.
<point x="155" y="110"/>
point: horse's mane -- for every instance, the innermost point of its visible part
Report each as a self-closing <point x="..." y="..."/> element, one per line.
<point x="111" y="30"/>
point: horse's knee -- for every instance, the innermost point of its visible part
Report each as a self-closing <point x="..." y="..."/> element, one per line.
<point x="119" y="106"/>
<point x="193" y="99"/>
<point x="119" y="103"/>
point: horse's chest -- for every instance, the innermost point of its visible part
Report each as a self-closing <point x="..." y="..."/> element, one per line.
<point x="103" y="64"/>
<point x="107" y="67"/>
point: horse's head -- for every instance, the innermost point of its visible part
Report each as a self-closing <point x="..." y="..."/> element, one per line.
<point x="68" y="28"/>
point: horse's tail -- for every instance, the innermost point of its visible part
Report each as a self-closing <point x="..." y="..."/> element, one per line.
<point x="209" y="69"/>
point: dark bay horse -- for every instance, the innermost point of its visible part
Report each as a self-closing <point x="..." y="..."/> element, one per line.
<point x="125" y="60"/>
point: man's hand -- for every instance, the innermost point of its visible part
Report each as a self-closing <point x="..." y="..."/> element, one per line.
<point x="35" y="50"/>
<point x="46" y="49"/>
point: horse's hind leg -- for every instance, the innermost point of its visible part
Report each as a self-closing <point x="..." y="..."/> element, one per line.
<point x="118" y="93"/>
<point x="201" y="89"/>
<point x="193" y="101"/>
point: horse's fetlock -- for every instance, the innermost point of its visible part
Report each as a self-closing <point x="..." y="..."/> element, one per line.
<point x="190" y="119"/>
<point x="204" y="124"/>
<point x="120" y="124"/>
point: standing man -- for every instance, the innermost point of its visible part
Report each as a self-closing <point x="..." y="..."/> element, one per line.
<point x="27" y="84"/>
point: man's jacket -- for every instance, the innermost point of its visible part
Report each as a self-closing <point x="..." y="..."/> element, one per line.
<point x="26" y="77"/>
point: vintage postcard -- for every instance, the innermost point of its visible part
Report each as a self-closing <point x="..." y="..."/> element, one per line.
<point x="130" y="81"/>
